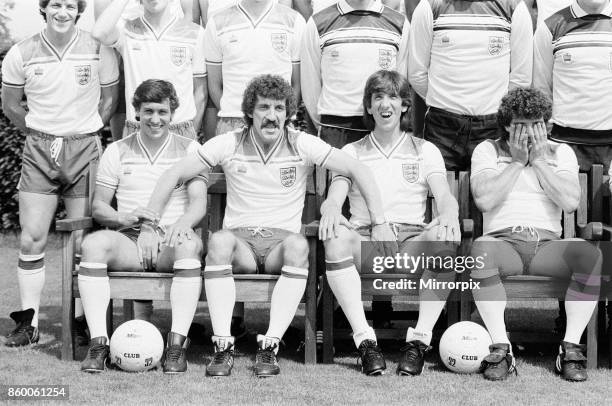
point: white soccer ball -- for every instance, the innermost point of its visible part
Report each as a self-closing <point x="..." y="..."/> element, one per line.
<point x="136" y="346"/>
<point x="463" y="346"/>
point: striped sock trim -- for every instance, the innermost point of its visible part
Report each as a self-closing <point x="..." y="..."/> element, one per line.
<point x="93" y="269"/>
<point x="339" y="264"/>
<point x="217" y="271"/>
<point x="30" y="264"/>
<point x="187" y="268"/>
<point x="340" y="272"/>
<point x="294" y="272"/>
<point x="86" y="278"/>
<point x="584" y="287"/>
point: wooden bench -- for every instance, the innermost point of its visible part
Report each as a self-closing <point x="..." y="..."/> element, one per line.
<point x="156" y="286"/>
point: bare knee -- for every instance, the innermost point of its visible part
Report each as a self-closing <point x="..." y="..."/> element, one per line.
<point x="32" y="243"/>
<point x="295" y="250"/>
<point x="341" y="246"/>
<point x="96" y="247"/>
<point x="221" y="245"/>
<point x="189" y="247"/>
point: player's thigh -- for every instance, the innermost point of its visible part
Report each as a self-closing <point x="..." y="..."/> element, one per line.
<point x="243" y="259"/>
<point x="347" y="242"/>
<point x="76" y="206"/>
<point x="559" y="258"/>
<point x="497" y="253"/>
<point x="276" y="258"/>
<point x="121" y="251"/>
<point x="36" y="212"/>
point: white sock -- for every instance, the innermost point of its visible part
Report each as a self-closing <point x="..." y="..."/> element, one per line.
<point x="95" y="295"/>
<point x="492" y="313"/>
<point x="184" y="294"/>
<point x="267" y="341"/>
<point x="417" y="335"/>
<point x="344" y="281"/>
<point x="578" y="315"/>
<point x="221" y="343"/>
<point x="221" y="296"/>
<point x="31" y="279"/>
<point x="286" y="298"/>
<point x="429" y="312"/>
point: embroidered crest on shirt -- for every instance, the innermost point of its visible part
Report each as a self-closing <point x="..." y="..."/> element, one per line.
<point x="385" y="58"/>
<point x="178" y="55"/>
<point x="496" y="44"/>
<point x="567" y="57"/>
<point x="82" y="74"/>
<point x="279" y="41"/>
<point x="411" y="172"/>
<point x="287" y="176"/>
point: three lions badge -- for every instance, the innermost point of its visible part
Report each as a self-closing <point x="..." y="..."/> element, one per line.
<point x="279" y="41"/>
<point x="178" y="55"/>
<point x="411" y="172"/>
<point x="82" y="74"/>
<point x="287" y="176"/>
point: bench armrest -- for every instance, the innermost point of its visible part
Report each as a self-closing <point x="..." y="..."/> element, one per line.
<point x="79" y="223"/>
<point x="592" y="231"/>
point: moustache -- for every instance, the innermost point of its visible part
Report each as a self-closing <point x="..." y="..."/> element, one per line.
<point x="267" y="123"/>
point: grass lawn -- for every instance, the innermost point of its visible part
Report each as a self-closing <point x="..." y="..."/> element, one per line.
<point x="340" y="383"/>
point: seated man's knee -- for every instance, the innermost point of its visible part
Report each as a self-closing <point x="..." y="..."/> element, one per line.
<point x="295" y="247"/>
<point x="340" y="246"/>
<point x="583" y="257"/>
<point x="221" y="246"/>
<point x="32" y="243"/>
<point x="96" y="247"/>
<point x="190" y="247"/>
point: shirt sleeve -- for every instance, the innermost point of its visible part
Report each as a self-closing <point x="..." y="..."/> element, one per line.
<point x="433" y="163"/>
<point x="521" y="47"/>
<point x="298" y="36"/>
<point x="313" y="150"/>
<point x="566" y="159"/>
<point x="109" y="67"/>
<point x="119" y="45"/>
<point x="484" y="158"/>
<point x="543" y="59"/>
<point x="216" y="150"/>
<point x="349" y="150"/>
<point x="193" y="149"/>
<point x="199" y="57"/>
<point x="13" y="74"/>
<point x="419" y="47"/>
<point x="402" y="53"/>
<point x="109" y="168"/>
<point x="310" y="69"/>
<point x="212" y="46"/>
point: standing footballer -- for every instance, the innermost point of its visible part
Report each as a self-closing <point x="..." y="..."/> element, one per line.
<point x="69" y="80"/>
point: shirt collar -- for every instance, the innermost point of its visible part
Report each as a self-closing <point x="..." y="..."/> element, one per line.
<point x="579" y="12"/>
<point x="375" y="6"/>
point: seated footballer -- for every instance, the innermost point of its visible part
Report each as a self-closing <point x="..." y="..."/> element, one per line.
<point x="266" y="166"/>
<point x="521" y="182"/>
<point x="128" y="171"/>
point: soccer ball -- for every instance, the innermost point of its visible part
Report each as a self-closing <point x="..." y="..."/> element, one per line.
<point x="463" y="346"/>
<point x="136" y="346"/>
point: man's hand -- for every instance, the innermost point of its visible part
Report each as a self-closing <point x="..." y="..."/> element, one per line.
<point x="145" y="214"/>
<point x="177" y="232"/>
<point x="331" y="219"/>
<point x="518" y="143"/>
<point x="383" y="233"/>
<point x="448" y="228"/>
<point x="148" y="247"/>
<point x="539" y="144"/>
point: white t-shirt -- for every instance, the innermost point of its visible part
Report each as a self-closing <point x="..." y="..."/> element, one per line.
<point x="265" y="190"/>
<point x="527" y="204"/>
<point x="63" y="89"/>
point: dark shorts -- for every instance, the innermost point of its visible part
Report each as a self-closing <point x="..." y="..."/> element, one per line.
<point x="130" y="232"/>
<point x="261" y="241"/>
<point x="121" y="105"/>
<point x="591" y="146"/>
<point x="457" y="135"/>
<point x="403" y="232"/>
<point x="525" y="242"/>
<point x="339" y="131"/>
<point x="58" y="165"/>
<point x="184" y="129"/>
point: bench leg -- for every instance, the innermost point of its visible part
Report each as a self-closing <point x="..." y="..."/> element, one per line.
<point x="592" y="340"/>
<point x="128" y="310"/>
<point x="68" y="347"/>
<point x="109" y="319"/>
<point x="310" y="318"/>
<point x="328" y="323"/>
